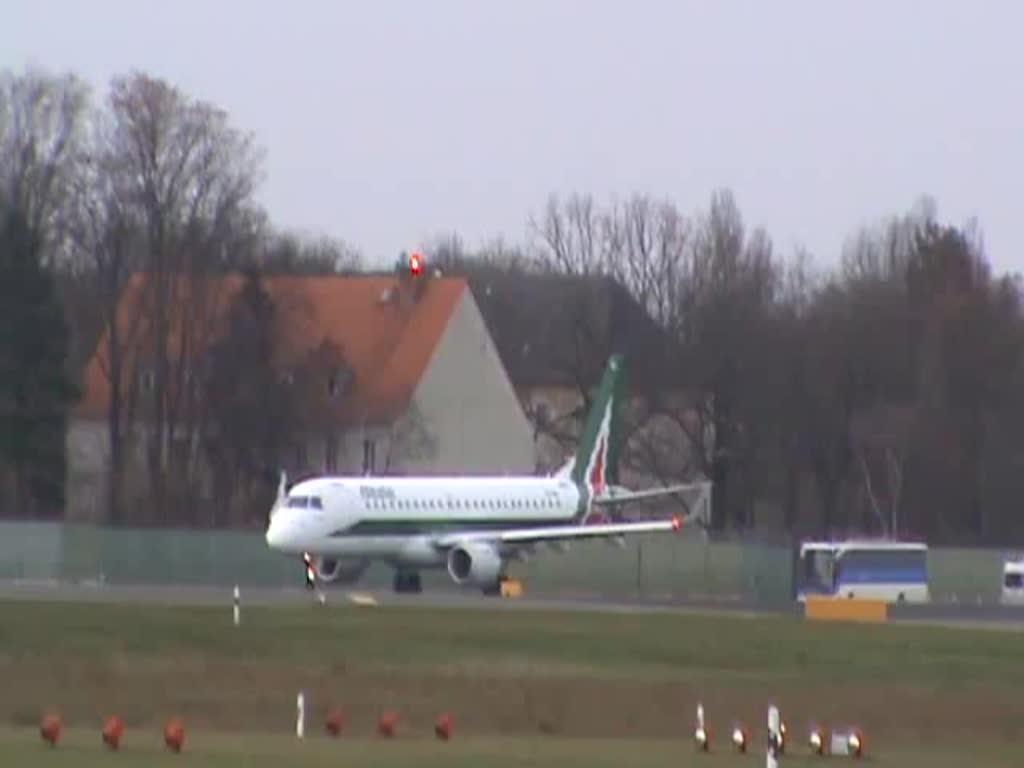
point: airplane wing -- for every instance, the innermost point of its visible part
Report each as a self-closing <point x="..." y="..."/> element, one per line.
<point x="616" y="494"/>
<point x="565" y="533"/>
<point x="558" y="533"/>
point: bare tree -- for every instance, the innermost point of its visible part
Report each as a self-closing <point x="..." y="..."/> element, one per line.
<point x="191" y="177"/>
<point x="292" y="253"/>
<point x="107" y="247"/>
<point x="572" y="237"/>
<point x="42" y="136"/>
<point x="727" y="297"/>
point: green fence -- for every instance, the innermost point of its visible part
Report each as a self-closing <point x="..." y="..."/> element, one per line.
<point x="648" y="566"/>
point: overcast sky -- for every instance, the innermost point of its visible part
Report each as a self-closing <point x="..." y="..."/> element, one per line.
<point x="388" y="122"/>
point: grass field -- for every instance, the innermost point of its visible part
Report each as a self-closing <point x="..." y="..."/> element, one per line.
<point x="525" y="688"/>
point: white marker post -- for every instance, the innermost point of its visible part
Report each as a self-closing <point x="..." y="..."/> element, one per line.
<point x="237" y="606"/>
<point x="774" y="723"/>
<point x="700" y="733"/>
<point x="300" y="719"/>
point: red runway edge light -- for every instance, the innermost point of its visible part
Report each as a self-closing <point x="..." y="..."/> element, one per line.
<point x="49" y="729"/>
<point x="387" y="723"/>
<point x="443" y="727"/>
<point x="335" y="722"/>
<point x="113" y="730"/>
<point x="174" y="734"/>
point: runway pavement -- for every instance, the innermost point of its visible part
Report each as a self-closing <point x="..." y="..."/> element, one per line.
<point x="188" y="594"/>
<point x="990" y="615"/>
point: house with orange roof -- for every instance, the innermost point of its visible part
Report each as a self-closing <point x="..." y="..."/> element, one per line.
<point x="393" y="374"/>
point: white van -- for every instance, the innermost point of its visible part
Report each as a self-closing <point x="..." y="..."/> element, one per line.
<point x="1013" y="581"/>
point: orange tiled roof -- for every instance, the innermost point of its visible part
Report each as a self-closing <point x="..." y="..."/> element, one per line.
<point x="387" y="344"/>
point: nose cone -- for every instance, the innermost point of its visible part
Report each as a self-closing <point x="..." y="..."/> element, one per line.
<point x="275" y="534"/>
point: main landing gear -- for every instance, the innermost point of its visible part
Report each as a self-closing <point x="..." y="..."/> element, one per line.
<point x="407" y="581"/>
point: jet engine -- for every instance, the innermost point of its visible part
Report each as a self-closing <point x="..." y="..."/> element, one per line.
<point x="331" y="570"/>
<point x="474" y="563"/>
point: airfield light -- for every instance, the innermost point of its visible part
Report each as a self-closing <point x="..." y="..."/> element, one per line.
<point x="387" y="723"/>
<point x="739" y="738"/>
<point x="335" y="722"/>
<point x="817" y="741"/>
<point x="443" y="727"/>
<point x="113" y="730"/>
<point x="415" y="263"/>
<point x="855" y="743"/>
<point x="49" y="729"/>
<point x="701" y="737"/>
<point x="174" y="734"/>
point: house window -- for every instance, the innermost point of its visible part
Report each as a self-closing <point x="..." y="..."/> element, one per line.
<point x="369" y="456"/>
<point x="337" y="382"/>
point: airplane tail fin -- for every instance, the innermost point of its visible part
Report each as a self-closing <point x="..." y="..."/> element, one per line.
<point x="595" y="465"/>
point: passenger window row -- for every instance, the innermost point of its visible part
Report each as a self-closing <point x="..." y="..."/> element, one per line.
<point x="464" y="504"/>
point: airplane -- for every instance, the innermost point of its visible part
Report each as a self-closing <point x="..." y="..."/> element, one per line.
<point x="472" y="526"/>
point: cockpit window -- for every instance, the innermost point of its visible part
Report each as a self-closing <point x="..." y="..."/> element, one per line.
<point x="302" y="502"/>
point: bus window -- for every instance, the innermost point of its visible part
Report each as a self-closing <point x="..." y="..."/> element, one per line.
<point x="885" y="564"/>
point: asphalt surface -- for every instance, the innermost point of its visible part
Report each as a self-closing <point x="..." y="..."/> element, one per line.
<point x="989" y="615"/>
<point x="454" y="598"/>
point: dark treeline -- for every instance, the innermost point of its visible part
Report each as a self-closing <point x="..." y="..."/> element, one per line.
<point x="883" y="394"/>
<point x="92" y="191"/>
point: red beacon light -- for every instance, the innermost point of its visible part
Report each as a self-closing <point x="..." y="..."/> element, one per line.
<point x="416" y="264"/>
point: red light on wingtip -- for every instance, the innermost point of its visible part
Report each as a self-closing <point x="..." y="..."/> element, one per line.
<point x="676" y="523"/>
<point x="416" y="263"/>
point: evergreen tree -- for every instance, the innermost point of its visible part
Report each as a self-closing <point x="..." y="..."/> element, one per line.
<point x="248" y="403"/>
<point x="35" y="389"/>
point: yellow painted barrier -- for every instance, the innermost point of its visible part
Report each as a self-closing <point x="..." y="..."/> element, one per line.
<point x="511" y="588"/>
<point x="845" y="609"/>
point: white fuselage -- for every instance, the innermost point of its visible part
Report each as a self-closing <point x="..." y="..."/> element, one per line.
<point x="392" y="519"/>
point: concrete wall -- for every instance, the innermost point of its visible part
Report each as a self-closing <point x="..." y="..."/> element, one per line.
<point x="654" y="566"/>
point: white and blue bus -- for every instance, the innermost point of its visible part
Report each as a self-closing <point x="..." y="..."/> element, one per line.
<point x="894" y="571"/>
